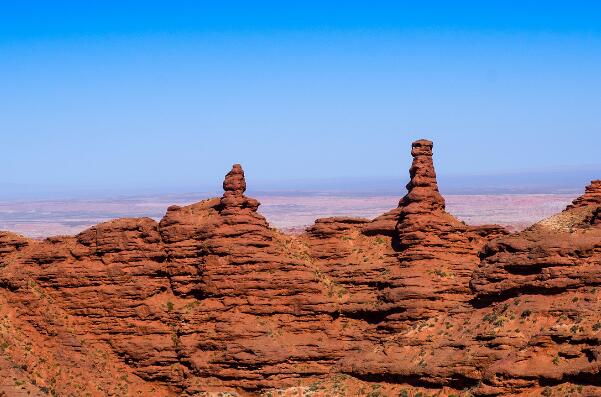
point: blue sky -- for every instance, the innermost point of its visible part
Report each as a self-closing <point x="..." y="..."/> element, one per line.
<point x="120" y="95"/>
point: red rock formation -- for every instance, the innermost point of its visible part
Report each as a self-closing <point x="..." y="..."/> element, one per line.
<point x="212" y="298"/>
<point x="422" y="196"/>
<point x="548" y="275"/>
<point x="437" y="252"/>
<point x="10" y="243"/>
<point x="591" y="196"/>
<point x="384" y="224"/>
<point x="253" y="297"/>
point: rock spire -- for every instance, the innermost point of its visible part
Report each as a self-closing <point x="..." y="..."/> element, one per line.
<point x="423" y="194"/>
<point x="234" y="186"/>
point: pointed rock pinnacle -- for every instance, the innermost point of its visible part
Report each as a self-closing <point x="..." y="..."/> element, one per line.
<point x="234" y="181"/>
<point x="423" y="194"/>
<point x="234" y="186"/>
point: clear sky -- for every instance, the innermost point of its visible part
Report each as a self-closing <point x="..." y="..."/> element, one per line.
<point x="121" y="94"/>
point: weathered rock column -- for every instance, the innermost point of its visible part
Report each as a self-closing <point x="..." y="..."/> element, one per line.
<point x="234" y="186"/>
<point x="423" y="194"/>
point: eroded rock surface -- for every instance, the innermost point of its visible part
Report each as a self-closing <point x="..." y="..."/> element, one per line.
<point x="212" y="299"/>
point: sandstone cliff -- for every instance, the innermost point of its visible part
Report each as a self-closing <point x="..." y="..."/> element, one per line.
<point x="212" y="299"/>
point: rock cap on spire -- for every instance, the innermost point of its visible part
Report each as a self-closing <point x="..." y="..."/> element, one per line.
<point x="421" y="147"/>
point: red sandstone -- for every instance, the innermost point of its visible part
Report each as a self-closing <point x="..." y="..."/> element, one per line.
<point x="212" y="298"/>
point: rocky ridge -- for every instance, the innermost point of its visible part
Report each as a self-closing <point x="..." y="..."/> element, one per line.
<point x="212" y="299"/>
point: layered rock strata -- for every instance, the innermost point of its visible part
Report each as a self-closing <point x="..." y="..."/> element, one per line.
<point x="212" y="298"/>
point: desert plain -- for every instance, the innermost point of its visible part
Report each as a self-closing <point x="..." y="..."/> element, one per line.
<point x="289" y="212"/>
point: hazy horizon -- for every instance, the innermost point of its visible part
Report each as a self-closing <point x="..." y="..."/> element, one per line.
<point x="533" y="182"/>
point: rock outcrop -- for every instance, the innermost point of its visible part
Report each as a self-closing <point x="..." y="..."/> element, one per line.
<point x="211" y="298"/>
<point x="253" y="311"/>
<point x="546" y="280"/>
<point x="437" y="253"/>
<point x="591" y="196"/>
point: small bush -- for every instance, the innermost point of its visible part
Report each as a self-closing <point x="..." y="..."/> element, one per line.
<point x="547" y="392"/>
